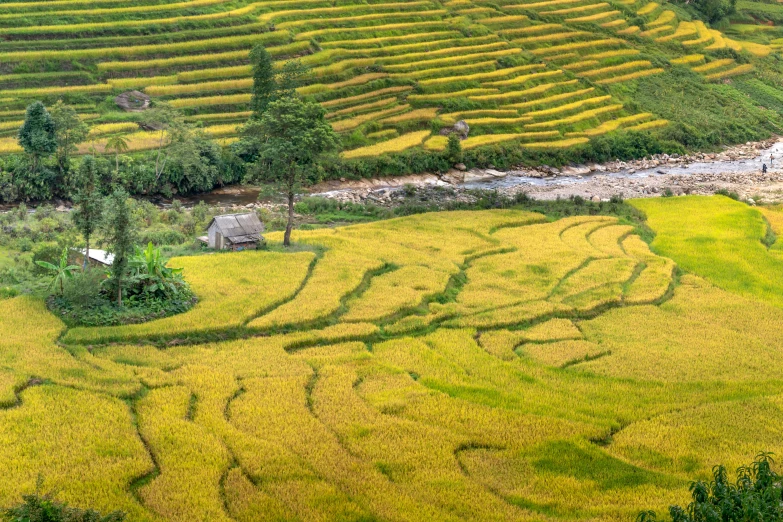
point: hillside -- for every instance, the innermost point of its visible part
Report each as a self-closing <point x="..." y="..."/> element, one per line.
<point x="547" y="74"/>
<point x="470" y="366"/>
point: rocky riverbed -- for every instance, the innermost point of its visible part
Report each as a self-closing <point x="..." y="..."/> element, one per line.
<point x="736" y="169"/>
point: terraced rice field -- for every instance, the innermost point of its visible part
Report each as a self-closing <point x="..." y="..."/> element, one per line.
<point x="385" y="70"/>
<point x="454" y="366"/>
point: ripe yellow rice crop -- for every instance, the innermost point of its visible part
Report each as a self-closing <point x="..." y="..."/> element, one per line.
<point x="372" y="94"/>
<point x="385" y="41"/>
<point x="284" y="425"/>
<point x="227" y="129"/>
<point x="683" y="29"/>
<point x="631" y="76"/>
<point x="688" y="59"/>
<point x="141" y="50"/>
<point x="569" y="106"/>
<point x="119" y="10"/>
<point x="339" y="67"/>
<point x="594" y="17"/>
<point x="43" y="91"/>
<point x="490" y="121"/>
<point x="557" y="144"/>
<point x="614" y="23"/>
<point x="425" y="64"/>
<point x="8" y="145"/>
<point x="531" y="29"/>
<point x="502" y="20"/>
<point x="222" y="302"/>
<point x="715" y="64"/>
<point x="124" y="83"/>
<point x="648" y="8"/>
<point x="411" y="27"/>
<point x="397" y="290"/>
<point x="426" y="114"/>
<point x="340" y="21"/>
<point x="191" y="88"/>
<point x="576" y="45"/>
<point x="214" y="73"/>
<point x="666" y="17"/>
<point x="511" y="96"/>
<point x="230" y="99"/>
<point x="15" y="124"/>
<point x="548" y="37"/>
<point x="319" y="11"/>
<point x="578" y="9"/>
<point x="112" y="128"/>
<point x="352" y="123"/>
<point x="439" y="142"/>
<point x="584" y="115"/>
<point x="705" y="35"/>
<point x="735" y="71"/>
<point x="657" y="30"/>
<point x="580" y="65"/>
<point x="383" y="102"/>
<point x="356" y="80"/>
<point x="633" y="29"/>
<point x="447" y="95"/>
<point x="551" y="99"/>
<point x="525" y="78"/>
<point x="453" y="71"/>
<point x="499" y="73"/>
<point x="612" y="54"/>
<point x="398" y="144"/>
<point x="452" y="117"/>
<point x="85" y="27"/>
<point x="447" y="51"/>
<point x="197" y="59"/>
<point x="615" y="124"/>
<point x="615" y="68"/>
<point x="241" y="115"/>
<point x="545" y="4"/>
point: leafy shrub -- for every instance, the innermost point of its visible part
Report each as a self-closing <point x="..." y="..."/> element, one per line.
<point x="43" y="508"/>
<point x="756" y="495"/>
<point x="162" y="235"/>
<point x="724" y="192"/>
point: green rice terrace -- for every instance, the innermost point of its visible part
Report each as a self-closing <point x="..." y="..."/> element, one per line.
<point x="548" y="74"/>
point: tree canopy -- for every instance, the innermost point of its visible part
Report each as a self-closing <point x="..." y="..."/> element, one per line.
<point x="293" y="135"/>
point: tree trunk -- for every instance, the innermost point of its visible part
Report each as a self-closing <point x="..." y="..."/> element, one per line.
<point x="86" y="254"/>
<point x="119" y="292"/>
<point x="290" y="224"/>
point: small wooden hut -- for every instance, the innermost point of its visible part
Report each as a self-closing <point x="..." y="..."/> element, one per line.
<point x="235" y="232"/>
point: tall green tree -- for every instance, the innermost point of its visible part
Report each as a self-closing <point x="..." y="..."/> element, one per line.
<point x="293" y="135"/>
<point x="88" y="201"/>
<point x="120" y="235"/>
<point x="37" y="135"/>
<point x="69" y="131"/>
<point x="264" y="85"/>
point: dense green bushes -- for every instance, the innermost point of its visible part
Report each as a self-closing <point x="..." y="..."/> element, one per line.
<point x="756" y="495"/>
<point x="43" y="508"/>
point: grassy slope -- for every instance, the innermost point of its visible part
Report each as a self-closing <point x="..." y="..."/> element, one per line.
<point x="717" y="238"/>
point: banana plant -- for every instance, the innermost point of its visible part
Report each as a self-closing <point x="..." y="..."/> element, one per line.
<point x="149" y="268"/>
<point x="61" y="272"/>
